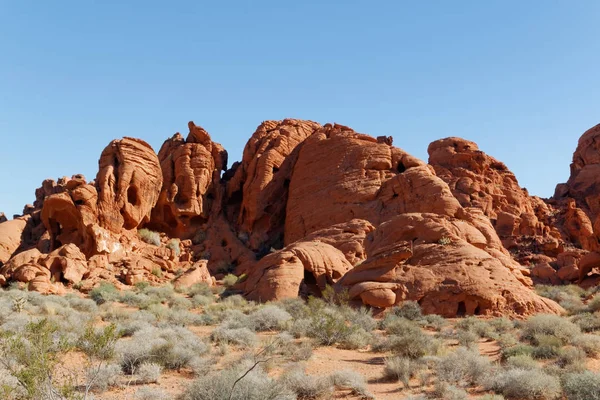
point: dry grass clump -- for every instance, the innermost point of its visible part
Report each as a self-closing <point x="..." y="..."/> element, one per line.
<point x="149" y="236"/>
<point x="582" y="386"/>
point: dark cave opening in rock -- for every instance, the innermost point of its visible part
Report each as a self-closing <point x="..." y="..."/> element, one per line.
<point x="462" y="309"/>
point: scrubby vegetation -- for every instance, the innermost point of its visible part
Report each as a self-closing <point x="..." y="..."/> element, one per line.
<point x="221" y="346"/>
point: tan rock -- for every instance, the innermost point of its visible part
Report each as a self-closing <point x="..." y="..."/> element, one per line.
<point x="197" y="273"/>
<point x="10" y="237"/>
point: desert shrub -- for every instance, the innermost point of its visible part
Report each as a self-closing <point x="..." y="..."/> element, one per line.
<point x="105" y="292"/>
<point x="361" y="318"/>
<point x="518" y="349"/>
<point x="149" y="236"/>
<point x="549" y="325"/>
<point x="31" y="356"/>
<point x="582" y="386"/>
<point x="435" y="321"/>
<point x="148" y="372"/>
<point x="173" y="348"/>
<point x="588" y="343"/>
<point x="255" y="385"/>
<point x="522" y="361"/>
<point x="559" y="293"/>
<point x="307" y="386"/>
<point x="449" y="392"/>
<point x="200" y="300"/>
<point x="328" y="326"/>
<point x="412" y="343"/>
<point x="350" y="380"/>
<point x="400" y="326"/>
<point x="476" y="326"/>
<point x="492" y="397"/>
<point x="464" y="366"/>
<point x="268" y="318"/>
<point x="546" y="346"/>
<point x="594" y="304"/>
<point x="81" y="304"/>
<point x="242" y="337"/>
<point x="467" y="338"/>
<point x="180" y="303"/>
<point x="296" y="307"/>
<point x="357" y="339"/>
<point x="501" y="325"/>
<point x="335" y="297"/>
<point x="401" y="369"/>
<point x="525" y="384"/>
<point x="230" y="280"/>
<point x="409" y="309"/>
<point x="151" y="393"/>
<point x="199" y="289"/>
<point x="569" y="356"/>
<point x="587" y="322"/>
<point x="100" y="379"/>
<point x="173" y="244"/>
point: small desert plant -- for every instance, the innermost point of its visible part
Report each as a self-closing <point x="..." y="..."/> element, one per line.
<point x="173" y="244"/>
<point x="588" y="343"/>
<point x="587" y="322"/>
<point x="242" y="337"/>
<point x="348" y="379"/>
<point x="582" y="386"/>
<point x="156" y="271"/>
<point x="449" y="392"/>
<point x="268" y="318"/>
<point x="307" y="386"/>
<point x="230" y="280"/>
<point x="149" y="236"/>
<point x="435" y="321"/>
<point x="409" y="309"/>
<point x="525" y="384"/>
<point x="105" y="292"/>
<point x="100" y="379"/>
<point x="151" y="393"/>
<point x="335" y="297"/>
<point x="400" y="369"/>
<point x="570" y="356"/>
<point x="244" y="381"/>
<point x="148" y="372"/>
<point x="522" y="361"/>
<point x="476" y="326"/>
<point x="31" y="357"/>
<point x="517" y="350"/>
<point x="357" y="339"/>
<point x="549" y="325"/>
<point x="464" y="366"/>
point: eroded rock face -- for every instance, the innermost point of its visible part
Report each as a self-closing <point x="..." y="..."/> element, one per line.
<point x="525" y="223"/>
<point x="364" y="202"/>
<point x="128" y="184"/>
<point x="260" y="182"/>
<point x="443" y="263"/>
<point x="10" y="237"/>
<point x="2" y="217"/>
<point x="191" y="171"/>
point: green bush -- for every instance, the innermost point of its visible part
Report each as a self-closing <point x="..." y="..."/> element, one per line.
<point x="149" y="236"/>
<point x="230" y="280"/>
<point x="449" y="392"/>
<point x="522" y="361"/>
<point x="268" y="318"/>
<point x="307" y="386"/>
<point x="582" y="386"/>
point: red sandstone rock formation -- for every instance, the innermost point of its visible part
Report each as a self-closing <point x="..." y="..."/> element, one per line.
<point x="523" y="222"/>
<point x="310" y="206"/>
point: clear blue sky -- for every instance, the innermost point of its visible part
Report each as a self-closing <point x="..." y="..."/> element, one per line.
<point x="520" y="78"/>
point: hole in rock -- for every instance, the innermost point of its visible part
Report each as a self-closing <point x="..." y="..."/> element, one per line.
<point x="401" y="168"/>
<point x="275" y="170"/>
<point x="223" y="243"/>
<point x="132" y="196"/>
<point x="477" y="311"/>
<point x="210" y="196"/>
<point x="286" y="183"/>
<point x="79" y="202"/>
<point x="462" y="309"/>
<point x="236" y="197"/>
<point x="394" y="195"/>
<point x="308" y="286"/>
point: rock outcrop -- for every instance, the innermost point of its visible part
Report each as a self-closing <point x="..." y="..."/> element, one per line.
<point x="309" y="206"/>
<point x="524" y="223"/>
